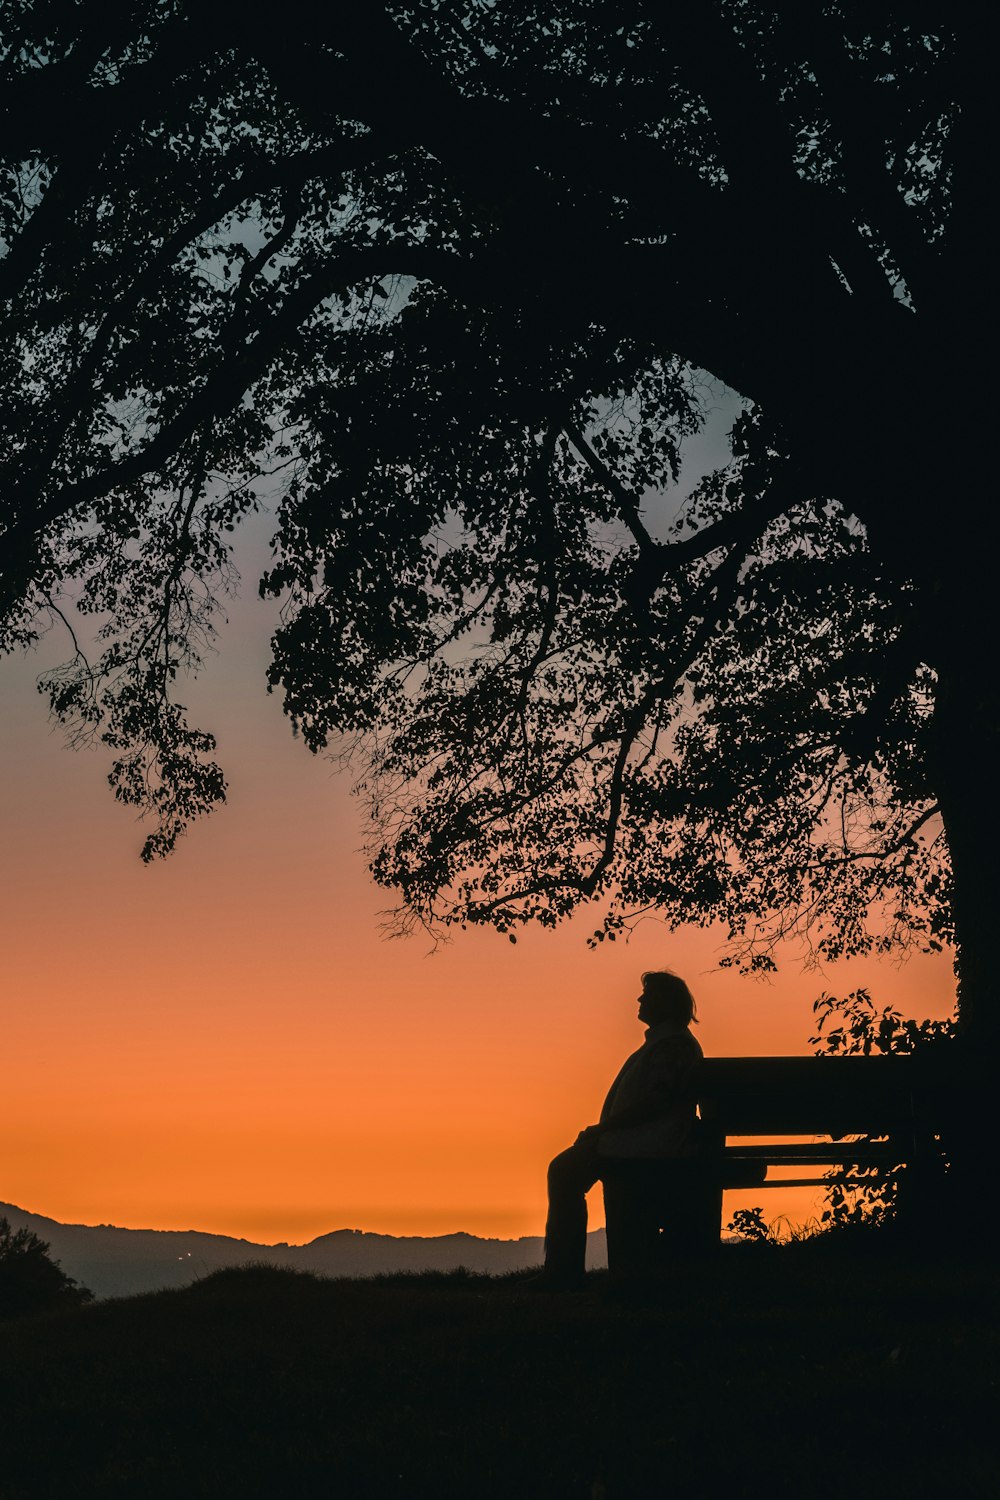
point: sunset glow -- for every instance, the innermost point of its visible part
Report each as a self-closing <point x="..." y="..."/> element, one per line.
<point x="226" y="1042"/>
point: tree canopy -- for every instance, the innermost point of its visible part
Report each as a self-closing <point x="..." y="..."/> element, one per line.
<point x="30" y="1280"/>
<point x="452" y="280"/>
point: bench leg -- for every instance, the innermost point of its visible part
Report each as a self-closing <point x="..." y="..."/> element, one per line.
<point x="649" y="1229"/>
<point x="694" y="1226"/>
<point x="633" y="1232"/>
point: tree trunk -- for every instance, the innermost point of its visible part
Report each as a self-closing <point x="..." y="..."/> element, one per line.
<point x="964" y="768"/>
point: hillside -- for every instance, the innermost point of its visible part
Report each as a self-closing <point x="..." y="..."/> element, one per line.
<point x="770" y="1373"/>
<point x="115" y="1262"/>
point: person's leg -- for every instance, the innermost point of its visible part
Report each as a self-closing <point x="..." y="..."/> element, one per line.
<point x="571" y="1176"/>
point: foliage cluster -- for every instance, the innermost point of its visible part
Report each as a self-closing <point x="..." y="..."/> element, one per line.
<point x="441" y="280"/>
<point x="850" y="1027"/>
<point x="30" y="1280"/>
<point x="751" y="1225"/>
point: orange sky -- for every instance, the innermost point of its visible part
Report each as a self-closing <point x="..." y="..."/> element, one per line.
<point x="225" y="1042"/>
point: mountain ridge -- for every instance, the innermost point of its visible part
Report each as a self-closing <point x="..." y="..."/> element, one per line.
<point x="117" y="1262"/>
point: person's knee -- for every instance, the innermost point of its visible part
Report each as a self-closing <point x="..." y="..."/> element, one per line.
<point x="563" y="1168"/>
<point x="572" y="1170"/>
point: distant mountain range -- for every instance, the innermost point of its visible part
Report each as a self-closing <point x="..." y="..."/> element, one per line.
<point x="116" y="1262"/>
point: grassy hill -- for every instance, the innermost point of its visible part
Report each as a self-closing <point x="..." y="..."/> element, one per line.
<point x="770" y="1372"/>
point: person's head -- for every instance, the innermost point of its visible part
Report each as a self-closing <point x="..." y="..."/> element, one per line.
<point x="665" y="997"/>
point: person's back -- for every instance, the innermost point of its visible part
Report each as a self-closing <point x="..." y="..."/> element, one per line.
<point x="665" y="1072"/>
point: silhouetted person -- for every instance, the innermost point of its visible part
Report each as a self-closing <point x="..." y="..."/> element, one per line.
<point x="649" y="1113"/>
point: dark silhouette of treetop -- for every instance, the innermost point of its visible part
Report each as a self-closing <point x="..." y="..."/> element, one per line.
<point x="450" y="284"/>
<point x="30" y="1280"/>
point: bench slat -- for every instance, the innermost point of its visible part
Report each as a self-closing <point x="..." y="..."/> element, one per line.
<point x="857" y="1153"/>
<point x="824" y="1182"/>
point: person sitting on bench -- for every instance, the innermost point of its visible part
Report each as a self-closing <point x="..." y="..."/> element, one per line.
<point x="650" y="1112"/>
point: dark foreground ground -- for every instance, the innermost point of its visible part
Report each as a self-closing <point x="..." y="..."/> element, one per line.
<point x="770" y="1372"/>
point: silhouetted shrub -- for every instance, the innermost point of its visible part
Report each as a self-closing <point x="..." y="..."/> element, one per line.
<point x="751" y="1226"/>
<point x="30" y="1280"/>
<point x="855" y="1027"/>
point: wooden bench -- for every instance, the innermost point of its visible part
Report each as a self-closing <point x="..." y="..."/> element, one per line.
<point x="658" y="1208"/>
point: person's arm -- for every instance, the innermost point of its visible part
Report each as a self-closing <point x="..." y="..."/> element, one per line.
<point x="658" y="1102"/>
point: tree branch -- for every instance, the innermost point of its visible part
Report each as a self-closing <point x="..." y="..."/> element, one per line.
<point x="221" y="390"/>
<point x="627" y="503"/>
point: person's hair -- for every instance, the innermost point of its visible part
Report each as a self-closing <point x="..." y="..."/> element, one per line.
<point x="672" y="999"/>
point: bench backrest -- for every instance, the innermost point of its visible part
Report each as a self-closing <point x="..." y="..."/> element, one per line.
<point x="828" y="1095"/>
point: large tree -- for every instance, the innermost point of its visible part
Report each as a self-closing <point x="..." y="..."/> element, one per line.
<point x="450" y="278"/>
